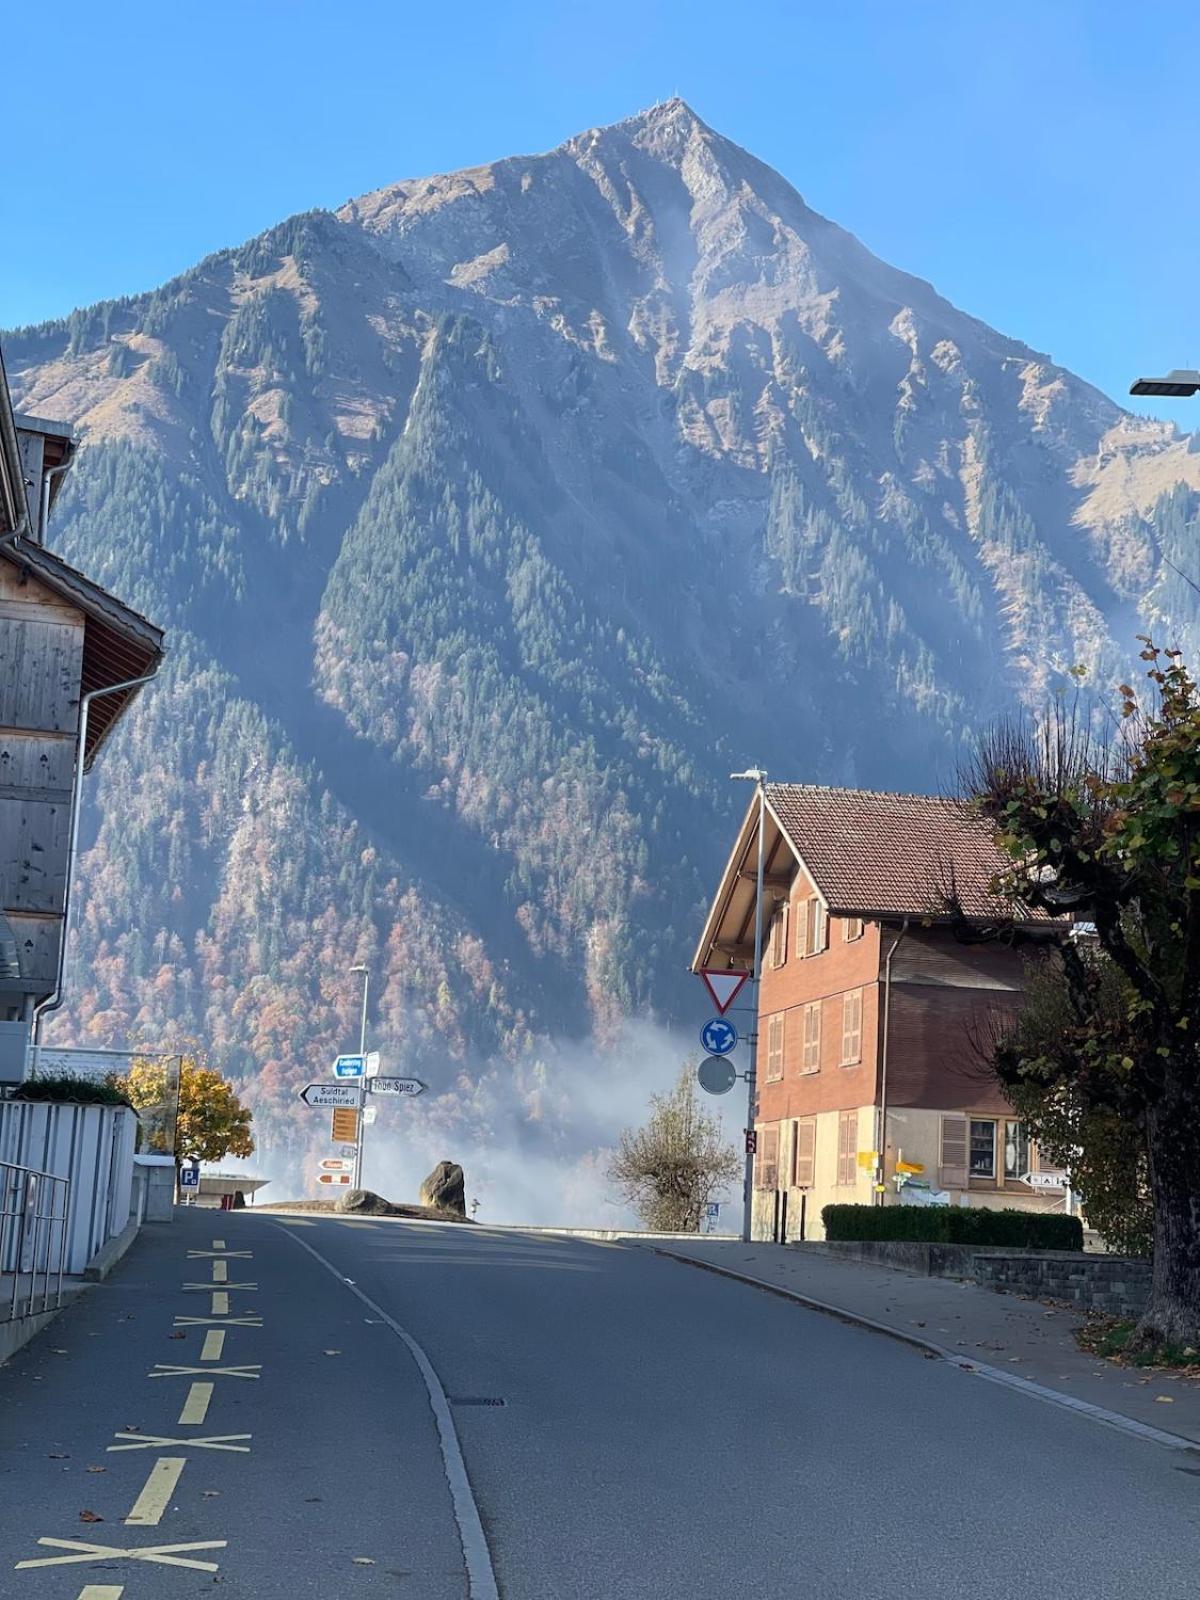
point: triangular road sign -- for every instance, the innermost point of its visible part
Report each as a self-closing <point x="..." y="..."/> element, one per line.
<point x="723" y="985"/>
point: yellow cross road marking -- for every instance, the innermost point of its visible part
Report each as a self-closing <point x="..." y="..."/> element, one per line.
<point x="161" y="1371"/>
<point x="220" y="1271"/>
<point x="155" y="1497"/>
<point x="215" y="1441"/>
<point x="230" y="1255"/>
<point x="214" y="1344"/>
<point x="195" y="1407"/>
<point x="253" y="1320"/>
<point x="162" y="1555"/>
<point x="218" y="1244"/>
<point x="220" y="1303"/>
<point x="207" y="1286"/>
<point x="102" y="1591"/>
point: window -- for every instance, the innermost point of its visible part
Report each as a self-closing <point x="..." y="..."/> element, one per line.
<point x="767" y="1166"/>
<point x="852" y="928"/>
<point x="804" y="1154"/>
<point x="777" y="951"/>
<point x="983" y="1147"/>
<point x="847" y="1169"/>
<point x="1016" y="1150"/>
<point x="952" y="1172"/>
<point x="851" y="1027"/>
<point x="812" y="927"/>
<point x="775" y="1047"/>
<point x="812" y="1038"/>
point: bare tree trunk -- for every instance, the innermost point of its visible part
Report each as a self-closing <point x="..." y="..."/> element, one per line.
<point x="1173" y="1141"/>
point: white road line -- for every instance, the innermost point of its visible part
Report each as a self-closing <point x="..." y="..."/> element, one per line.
<point x="481" y="1576"/>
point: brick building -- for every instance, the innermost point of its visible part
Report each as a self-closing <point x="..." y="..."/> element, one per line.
<point x="873" y="1004"/>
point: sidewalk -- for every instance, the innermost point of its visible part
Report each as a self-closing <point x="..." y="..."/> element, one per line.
<point x="1001" y="1336"/>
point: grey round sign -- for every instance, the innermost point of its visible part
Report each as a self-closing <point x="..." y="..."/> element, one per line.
<point x="717" y="1075"/>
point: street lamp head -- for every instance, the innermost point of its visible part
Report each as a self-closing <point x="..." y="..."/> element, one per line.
<point x="751" y="775"/>
<point x="358" y="968"/>
<point x="1179" y="384"/>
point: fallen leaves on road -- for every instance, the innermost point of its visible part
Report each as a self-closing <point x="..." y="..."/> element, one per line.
<point x="56" y="1351"/>
<point x="179" y="1335"/>
<point x="209" y="1494"/>
<point x="362" y="1561"/>
<point x="97" y="1469"/>
<point x="60" y="1455"/>
<point x="333" y="1352"/>
<point x="90" y="1516"/>
<point x="1165" y="1399"/>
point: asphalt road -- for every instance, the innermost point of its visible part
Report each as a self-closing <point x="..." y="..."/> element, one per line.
<point x="579" y="1421"/>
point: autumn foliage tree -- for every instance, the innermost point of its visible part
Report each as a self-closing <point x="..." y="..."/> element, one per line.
<point x="212" y="1121"/>
<point x="670" y="1169"/>
<point x="1110" y="831"/>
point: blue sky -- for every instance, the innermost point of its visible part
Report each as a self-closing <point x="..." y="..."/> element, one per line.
<point x="1036" y="161"/>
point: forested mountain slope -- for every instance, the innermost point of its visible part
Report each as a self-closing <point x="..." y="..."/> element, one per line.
<point x="495" y="519"/>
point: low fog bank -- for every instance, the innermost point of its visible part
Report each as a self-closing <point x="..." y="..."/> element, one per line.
<point x="533" y="1138"/>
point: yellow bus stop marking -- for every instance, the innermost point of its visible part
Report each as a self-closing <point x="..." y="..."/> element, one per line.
<point x="220" y="1271"/>
<point x="253" y="1320"/>
<point x="162" y="1555"/>
<point x="218" y="1244"/>
<point x="214" y="1345"/>
<point x="215" y="1441"/>
<point x="206" y="1286"/>
<point x="229" y="1255"/>
<point x="102" y="1591"/>
<point x="220" y="1303"/>
<point x="195" y="1407"/>
<point x="155" y="1497"/>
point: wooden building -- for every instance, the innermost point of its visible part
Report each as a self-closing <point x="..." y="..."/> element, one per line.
<point x="873" y="1005"/>
<point x="64" y="643"/>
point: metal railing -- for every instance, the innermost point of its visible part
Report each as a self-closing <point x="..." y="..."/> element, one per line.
<point x="34" y="1210"/>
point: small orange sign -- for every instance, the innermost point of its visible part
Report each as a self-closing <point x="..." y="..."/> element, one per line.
<point x="345" y="1125"/>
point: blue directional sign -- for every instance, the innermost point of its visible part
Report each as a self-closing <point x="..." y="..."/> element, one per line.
<point x="718" y="1036"/>
<point x="350" y="1066"/>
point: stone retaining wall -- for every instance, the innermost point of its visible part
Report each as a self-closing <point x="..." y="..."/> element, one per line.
<point x="1119" y="1285"/>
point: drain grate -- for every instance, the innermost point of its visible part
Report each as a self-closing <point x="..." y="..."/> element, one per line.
<point x="475" y="1400"/>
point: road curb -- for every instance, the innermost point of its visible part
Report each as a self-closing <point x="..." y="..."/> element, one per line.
<point x="106" y="1258"/>
<point x="1010" y="1380"/>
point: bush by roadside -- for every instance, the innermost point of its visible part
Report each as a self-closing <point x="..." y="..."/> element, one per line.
<point x="1022" y="1230"/>
<point x="73" y="1091"/>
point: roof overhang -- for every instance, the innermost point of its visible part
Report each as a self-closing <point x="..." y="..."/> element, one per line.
<point x="118" y="643"/>
<point x="728" y="936"/>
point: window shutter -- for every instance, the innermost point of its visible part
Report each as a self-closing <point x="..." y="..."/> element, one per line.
<point x="806" y="1150"/>
<point x="847" y="1146"/>
<point x="822" y="920"/>
<point x="851" y="1027"/>
<point x="802" y="927"/>
<point x="952" y="1173"/>
<point x="783" y="934"/>
<point x="775" y="1047"/>
<point x="768" y="1159"/>
<point x="812" y="1037"/>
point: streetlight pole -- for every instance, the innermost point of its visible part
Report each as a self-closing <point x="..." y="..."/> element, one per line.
<point x="758" y="777"/>
<point x="362" y="1082"/>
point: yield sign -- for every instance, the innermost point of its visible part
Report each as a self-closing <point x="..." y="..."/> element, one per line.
<point x="723" y="985"/>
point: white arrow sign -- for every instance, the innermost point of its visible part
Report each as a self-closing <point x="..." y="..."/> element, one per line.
<point x="395" y="1085"/>
<point x="1044" y="1180"/>
<point x="330" y="1094"/>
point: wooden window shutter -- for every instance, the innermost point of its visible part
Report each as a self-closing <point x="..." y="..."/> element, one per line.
<point x="777" y="952"/>
<point x="822" y="919"/>
<point x="806" y="1152"/>
<point x="775" y="1047"/>
<point x="812" y="1037"/>
<point x="802" y="927"/>
<point x="768" y="1159"/>
<point x="847" y="1146"/>
<point x="952" y="1173"/>
<point x="851" y="1027"/>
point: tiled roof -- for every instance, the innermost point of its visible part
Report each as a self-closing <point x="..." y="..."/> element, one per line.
<point x="890" y="853"/>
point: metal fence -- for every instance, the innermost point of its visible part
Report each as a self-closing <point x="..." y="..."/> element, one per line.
<point x="34" y="1210"/>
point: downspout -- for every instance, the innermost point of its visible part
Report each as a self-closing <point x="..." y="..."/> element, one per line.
<point x="10" y="461"/>
<point x="47" y="477"/>
<point x="881" y="1196"/>
<point x="55" y="1000"/>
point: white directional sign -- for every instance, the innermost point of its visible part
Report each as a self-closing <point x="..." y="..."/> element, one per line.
<point x="330" y="1094"/>
<point x="1044" y="1180"/>
<point x="395" y="1085"/>
<point x="335" y="1164"/>
<point x="341" y="1178"/>
<point x="369" y="1115"/>
<point x="372" y="1063"/>
<point x="349" y="1066"/>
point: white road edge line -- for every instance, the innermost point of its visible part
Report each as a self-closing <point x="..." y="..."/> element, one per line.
<point x="481" y="1575"/>
<point x="1010" y="1380"/>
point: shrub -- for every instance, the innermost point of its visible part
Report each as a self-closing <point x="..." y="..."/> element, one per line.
<point x="1024" y="1230"/>
<point x="74" y="1091"/>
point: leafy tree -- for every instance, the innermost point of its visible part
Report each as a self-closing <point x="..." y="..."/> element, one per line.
<point x="1111" y="832"/>
<point x="669" y="1169"/>
<point x="212" y="1121"/>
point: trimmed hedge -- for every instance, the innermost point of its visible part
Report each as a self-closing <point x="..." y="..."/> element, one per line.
<point x="1023" y="1230"/>
<point x="70" y="1091"/>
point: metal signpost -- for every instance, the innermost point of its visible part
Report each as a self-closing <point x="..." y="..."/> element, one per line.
<point x="758" y="777"/>
<point x="395" y="1085"/>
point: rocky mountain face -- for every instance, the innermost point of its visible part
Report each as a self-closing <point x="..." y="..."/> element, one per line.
<point x="495" y="519"/>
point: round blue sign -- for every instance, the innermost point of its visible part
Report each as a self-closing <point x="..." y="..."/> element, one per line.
<point x="718" y="1036"/>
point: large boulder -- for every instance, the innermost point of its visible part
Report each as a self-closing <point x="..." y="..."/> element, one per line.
<point x="365" y="1203"/>
<point x="445" y="1189"/>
